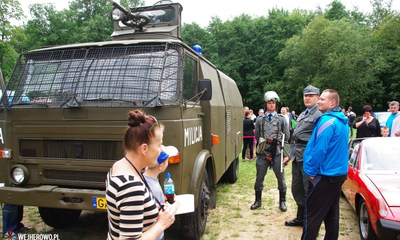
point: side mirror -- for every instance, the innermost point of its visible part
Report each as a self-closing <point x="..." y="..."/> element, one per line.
<point x="206" y="87"/>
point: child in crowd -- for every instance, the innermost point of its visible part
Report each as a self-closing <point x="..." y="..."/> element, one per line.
<point x="385" y="131"/>
<point x="151" y="176"/>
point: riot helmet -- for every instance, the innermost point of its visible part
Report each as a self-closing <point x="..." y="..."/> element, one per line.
<point x="271" y="96"/>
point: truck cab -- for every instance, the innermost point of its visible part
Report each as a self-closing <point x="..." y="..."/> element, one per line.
<point x="57" y="148"/>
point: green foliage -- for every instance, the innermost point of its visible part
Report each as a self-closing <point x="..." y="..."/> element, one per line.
<point x="336" y="11"/>
<point x="8" y="58"/>
<point x="388" y="42"/>
<point x="352" y="52"/>
<point x="246" y="49"/>
<point x="193" y="34"/>
<point x="9" y="10"/>
<point x="331" y="54"/>
<point x="381" y="10"/>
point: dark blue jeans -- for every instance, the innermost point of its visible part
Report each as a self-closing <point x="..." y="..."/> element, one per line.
<point x="12" y="217"/>
<point x="351" y="129"/>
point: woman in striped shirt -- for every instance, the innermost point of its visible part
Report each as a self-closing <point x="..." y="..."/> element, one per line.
<point x="132" y="211"/>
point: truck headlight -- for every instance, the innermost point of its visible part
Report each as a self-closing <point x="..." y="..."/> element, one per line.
<point x="19" y="174"/>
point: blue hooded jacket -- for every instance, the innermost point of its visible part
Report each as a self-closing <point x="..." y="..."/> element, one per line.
<point x="326" y="153"/>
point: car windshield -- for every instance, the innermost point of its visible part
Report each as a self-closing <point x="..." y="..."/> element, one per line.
<point x="381" y="154"/>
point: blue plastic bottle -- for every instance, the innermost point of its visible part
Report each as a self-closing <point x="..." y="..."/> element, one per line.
<point x="169" y="188"/>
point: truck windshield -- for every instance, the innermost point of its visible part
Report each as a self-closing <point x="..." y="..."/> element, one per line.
<point x="118" y="76"/>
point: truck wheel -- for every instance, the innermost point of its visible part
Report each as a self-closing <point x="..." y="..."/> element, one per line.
<point x="59" y="218"/>
<point x="194" y="224"/>
<point x="232" y="173"/>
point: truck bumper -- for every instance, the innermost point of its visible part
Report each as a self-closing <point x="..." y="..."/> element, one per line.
<point x="53" y="197"/>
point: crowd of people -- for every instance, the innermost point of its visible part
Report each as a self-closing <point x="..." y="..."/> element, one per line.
<point x="368" y="125"/>
<point x="318" y="139"/>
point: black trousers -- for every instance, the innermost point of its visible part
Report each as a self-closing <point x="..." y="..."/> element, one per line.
<point x="299" y="183"/>
<point x="322" y="204"/>
<point x="248" y="142"/>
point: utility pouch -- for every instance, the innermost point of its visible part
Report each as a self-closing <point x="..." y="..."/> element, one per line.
<point x="261" y="145"/>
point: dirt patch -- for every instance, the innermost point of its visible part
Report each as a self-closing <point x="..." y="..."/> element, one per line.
<point x="231" y="219"/>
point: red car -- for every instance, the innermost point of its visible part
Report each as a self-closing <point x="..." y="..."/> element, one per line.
<point x="373" y="186"/>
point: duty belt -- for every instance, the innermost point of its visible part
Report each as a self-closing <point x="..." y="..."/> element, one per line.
<point x="300" y="141"/>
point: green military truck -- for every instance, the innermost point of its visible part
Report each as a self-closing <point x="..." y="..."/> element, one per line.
<point x="64" y="111"/>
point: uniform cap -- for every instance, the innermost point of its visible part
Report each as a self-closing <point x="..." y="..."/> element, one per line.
<point x="311" y="90"/>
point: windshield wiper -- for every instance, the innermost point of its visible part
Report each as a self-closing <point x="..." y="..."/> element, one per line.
<point x="134" y="102"/>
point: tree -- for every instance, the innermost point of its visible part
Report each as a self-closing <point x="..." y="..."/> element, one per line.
<point x="336" y="11"/>
<point x="246" y="49"/>
<point x="271" y="35"/>
<point x="332" y="54"/>
<point x="388" y="39"/>
<point x="381" y="11"/>
<point x="9" y="10"/>
<point x="193" y="34"/>
<point x="84" y="21"/>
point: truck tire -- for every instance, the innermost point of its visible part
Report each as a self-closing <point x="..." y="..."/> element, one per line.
<point x="193" y="224"/>
<point x="59" y="218"/>
<point x="232" y="174"/>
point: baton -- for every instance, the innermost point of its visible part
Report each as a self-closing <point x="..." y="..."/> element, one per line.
<point x="282" y="149"/>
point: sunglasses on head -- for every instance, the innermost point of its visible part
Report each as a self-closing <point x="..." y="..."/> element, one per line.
<point x="155" y="123"/>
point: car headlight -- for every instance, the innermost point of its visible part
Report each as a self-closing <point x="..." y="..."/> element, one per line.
<point x="19" y="174"/>
<point x="382" y="207"/>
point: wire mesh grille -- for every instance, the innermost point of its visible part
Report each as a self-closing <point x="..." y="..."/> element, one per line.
<point x="122" y="76"/>
<point x="68" y="175"/>
<point x="71" y="149"/>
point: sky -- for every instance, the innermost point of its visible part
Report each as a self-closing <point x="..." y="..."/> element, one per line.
<point x="201" y="11"/>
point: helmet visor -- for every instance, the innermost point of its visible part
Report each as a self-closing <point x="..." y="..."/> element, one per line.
<point x="273" y="99"/>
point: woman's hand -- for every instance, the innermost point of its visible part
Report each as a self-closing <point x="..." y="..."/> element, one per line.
<point x="167" y="217"/>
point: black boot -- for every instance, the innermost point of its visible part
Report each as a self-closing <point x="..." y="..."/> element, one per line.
<point x="282" y="201"/>
<point x="299" y="220"/>
<point x="257" y="203"/>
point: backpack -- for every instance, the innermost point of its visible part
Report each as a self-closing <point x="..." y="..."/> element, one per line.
<point x="352" y="117"/>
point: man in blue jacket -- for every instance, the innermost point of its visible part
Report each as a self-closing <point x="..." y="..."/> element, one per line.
<point x="325" y="162"/>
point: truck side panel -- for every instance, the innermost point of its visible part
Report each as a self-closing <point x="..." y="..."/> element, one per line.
<point x="234" y="119"/>
<point x="214" y="120"/>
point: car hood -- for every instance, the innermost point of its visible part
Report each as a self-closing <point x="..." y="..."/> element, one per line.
<point x="389" y="186"/>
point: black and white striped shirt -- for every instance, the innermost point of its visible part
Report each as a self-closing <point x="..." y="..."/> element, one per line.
<point x="131" y="209"/>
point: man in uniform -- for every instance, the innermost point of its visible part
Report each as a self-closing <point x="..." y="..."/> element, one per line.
<point x="271" y="126"/>
<point x="325" y="162"/>
<point x="301" y="135"/>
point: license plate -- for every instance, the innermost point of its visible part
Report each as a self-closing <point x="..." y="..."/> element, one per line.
<point x="99" y="203"/>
